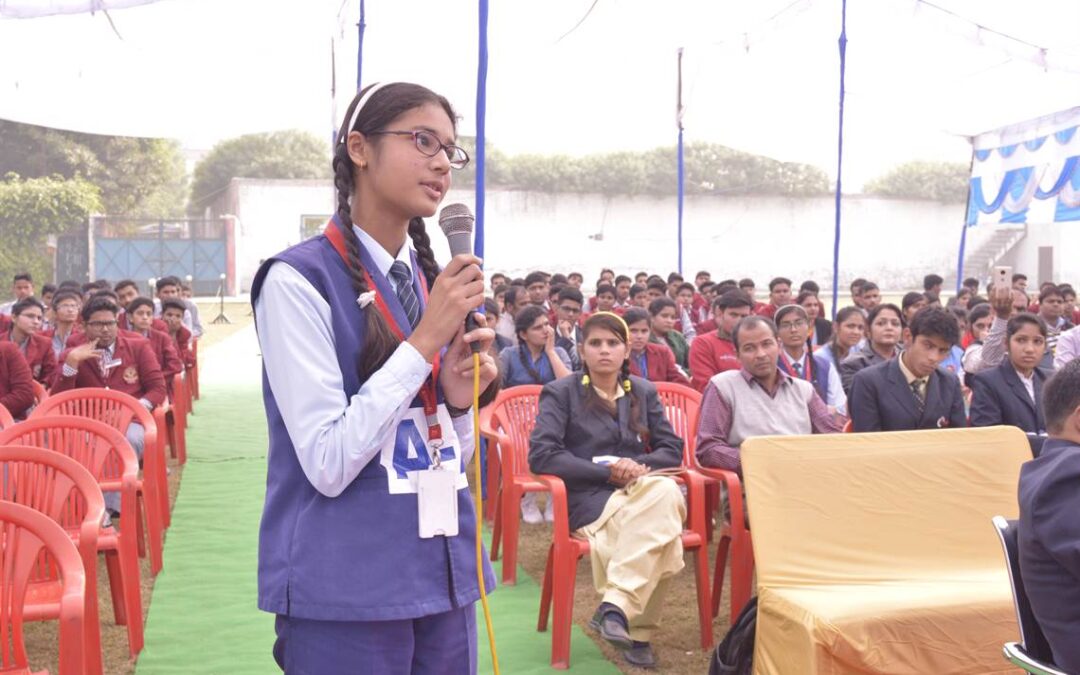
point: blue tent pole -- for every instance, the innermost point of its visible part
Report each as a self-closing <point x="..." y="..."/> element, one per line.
<point x="968" y="215"/>
<point x="682" y="165"/>
<point x="839" y="162"/>
<point x="360" y="44"/>
<point x="481" y="119"/>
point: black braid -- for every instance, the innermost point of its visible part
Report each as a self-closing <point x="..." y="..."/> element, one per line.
<point x="635" y="405"/>
<point x="525" y="362"/>
<point x="422" y="243"/>
<point x="379" y="342"/>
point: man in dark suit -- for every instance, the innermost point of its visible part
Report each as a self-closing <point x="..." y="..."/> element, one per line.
<point x="1049" y="529"/>
<point x="1012" y="393"/>
<point x="911" y="392"/>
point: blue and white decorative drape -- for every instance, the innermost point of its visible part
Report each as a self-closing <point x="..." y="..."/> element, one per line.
<point x="1027" y="173"/>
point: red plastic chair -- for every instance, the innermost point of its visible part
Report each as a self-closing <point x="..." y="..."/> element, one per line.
<point x="513" y="417"/>
<point x="62" y="489"/>
<point x="118" y="410"/>
<point x="560" y="573"/>
<point x="176" y="420"/>
<point x="106" y="454"/>
<point x="494" y="466"/>
<point x="30" y="540"/>
<point x="6" y="420"/>
<point x="193" y="371"/>
<point x="849" y="427"/>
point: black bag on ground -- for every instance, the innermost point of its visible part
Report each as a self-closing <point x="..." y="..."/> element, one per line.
<point x="735" y="653"/>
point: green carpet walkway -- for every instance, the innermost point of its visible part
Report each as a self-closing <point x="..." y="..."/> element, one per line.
<point x="203" y="617"/>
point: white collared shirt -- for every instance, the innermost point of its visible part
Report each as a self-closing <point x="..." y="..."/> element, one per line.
<point x="383" y="260"/>
<point x="1029" y="383"/>
<point x="335" y="437"/>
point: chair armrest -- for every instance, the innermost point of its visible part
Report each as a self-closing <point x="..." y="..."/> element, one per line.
<point x="561" y="511"/>
<point x="1015" y="654"/>
<point x="696" y="518"/>
<point x="734" y="488"/>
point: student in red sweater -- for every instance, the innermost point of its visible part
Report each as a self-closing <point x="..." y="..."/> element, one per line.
<point x="27" y="315"/>
<point x="779" y="296"/>
<point x="714" y="352"/>
<point x="16" y="384"/>
<point x="652" y="361"/>
<point x="140" y="313"/>
<point x="172" y="313"/>
<point x="108" y="360"/>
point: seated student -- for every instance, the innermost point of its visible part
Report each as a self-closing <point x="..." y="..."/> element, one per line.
<point x="27" y="315"/>
<point x="714" y="352"/>
<point x="536" y="284"/>
<point x="170" y="288"/>
<point x="820" y="328"/>
<point x="66" y="307"/>
<point x="16" y="382"/>
<point x="1005" y="302"/>
<point x="978" y="324"/>
<point x="602" y="430"/>
<point x="47" y="293"/>
<point x="568" y="306"/>
<point x="575" y="279"/>
<point x="870" y="295"/>
<point x="1049" y="531"/>
<point x="911" y="304"/>
<point x="641" y="278"/>
<point x="747" y="286"/>
<point x="1072" y="312"/>
<point x="664" y="315"/>
<point x="128" y="364"/>
<point x="856" y="293"/>
<point x="885" y="326"/>
<point x="639" y="296"/>
<point x="1068" y="348"/>
<point x="491" y="311"/>
<point x="689" y="316"/>
<point x="536" y="359"/>
<point x="515" y="300"/>
<point x="648" y="360"/>
<point x="757" y="400"/>
<point x="622" y="291"/>
<point x="172" y="313"/>
<point x="797" y="361"/>
<point x="655" y="289"/>
<point x="126" y="290"/>
<point x="1051" y="310"/>
<point x="911" y="391"/>
<point x="1012" y="392"/>
<point x="779" y="296"/>
<point x="498" y="279"/>
<point x="849" y="331"/>
<point x="605" y="298"/>
<point x="140" y="313"/>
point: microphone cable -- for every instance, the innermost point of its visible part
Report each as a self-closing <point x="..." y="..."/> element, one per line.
<point x="480" y="512"/>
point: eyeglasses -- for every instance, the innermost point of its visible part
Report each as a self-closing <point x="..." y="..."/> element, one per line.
<point x="792" y="325"/>
<point x="99" y="325"/>
<point x="429" y="146"/>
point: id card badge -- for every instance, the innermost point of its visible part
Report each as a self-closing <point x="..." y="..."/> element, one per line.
<point x="436" y="493"/>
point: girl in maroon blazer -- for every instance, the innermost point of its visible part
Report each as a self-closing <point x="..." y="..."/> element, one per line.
<point x="655" y="362"/>
<point x="16" y="385"/>
<point x="27" y="315"/>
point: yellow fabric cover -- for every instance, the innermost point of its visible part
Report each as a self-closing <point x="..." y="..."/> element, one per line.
<point x="875" y="552"/>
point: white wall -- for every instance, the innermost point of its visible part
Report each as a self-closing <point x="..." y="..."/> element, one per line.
<point x="268" y="218"/>
<point x="1063" y="237"/>
<point x="894" y="242"/>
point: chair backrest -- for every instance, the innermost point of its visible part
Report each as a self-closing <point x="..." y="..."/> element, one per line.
<point x="1031" y="634"/>
<point x="6" y="420"/>
<point x="51" y="483"/>
<point x="513" y="415"/>
<point x="28" y="534"/>
<point x="902" y="506"/>
<point x="681" y="407"/>
<point x="112" y="407"/>
<point x="98" y="447"/>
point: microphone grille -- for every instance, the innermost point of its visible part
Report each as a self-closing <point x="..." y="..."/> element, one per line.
<point x="456" y="219"/>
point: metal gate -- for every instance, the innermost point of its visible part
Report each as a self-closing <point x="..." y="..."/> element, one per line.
<point x="145" y="248"/>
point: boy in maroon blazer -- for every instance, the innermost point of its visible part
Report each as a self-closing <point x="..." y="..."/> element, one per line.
<point x="172" y="313"/>
<point x="16" y="388"/>
<point x="27" y="315"/>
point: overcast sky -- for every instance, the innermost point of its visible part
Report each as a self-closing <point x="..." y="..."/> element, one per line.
<point x="760" y="76"/>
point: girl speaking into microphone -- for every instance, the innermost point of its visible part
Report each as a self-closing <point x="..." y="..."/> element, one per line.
<point x="366" y="543"/>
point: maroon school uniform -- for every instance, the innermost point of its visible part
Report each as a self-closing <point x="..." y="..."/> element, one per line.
<point x="659" y="364"/>
<point x="39" y="356"/>
<point x="183" y="347"/>
<point x="133" y="370"/>
<point x="156" y="324"/>
<point x="16" y="383"/>
<point x="166" y="352"/>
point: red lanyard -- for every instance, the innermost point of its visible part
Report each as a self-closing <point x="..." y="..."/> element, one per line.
<point x="427" y="390"/>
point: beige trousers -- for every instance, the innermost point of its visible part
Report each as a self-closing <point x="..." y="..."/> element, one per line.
<point x="636" y="547"/>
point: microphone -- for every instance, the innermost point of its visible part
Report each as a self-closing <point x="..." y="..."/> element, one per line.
<point x="456" y="222"/>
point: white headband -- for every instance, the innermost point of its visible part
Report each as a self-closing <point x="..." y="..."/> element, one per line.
<point x="360" y="106"/>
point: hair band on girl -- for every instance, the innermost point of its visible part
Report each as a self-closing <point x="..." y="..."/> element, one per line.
<point x="365" y="299"/>
<point x="360" y="106"/>
<point x="626" y="329"/>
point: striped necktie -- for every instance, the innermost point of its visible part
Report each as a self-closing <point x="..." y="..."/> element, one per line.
<point x="918" y="389"/>
<point x="402" y="277"/>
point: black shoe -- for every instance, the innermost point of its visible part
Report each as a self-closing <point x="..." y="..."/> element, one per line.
<point x="612" y="625"/>
<point x="640" y="655"/>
